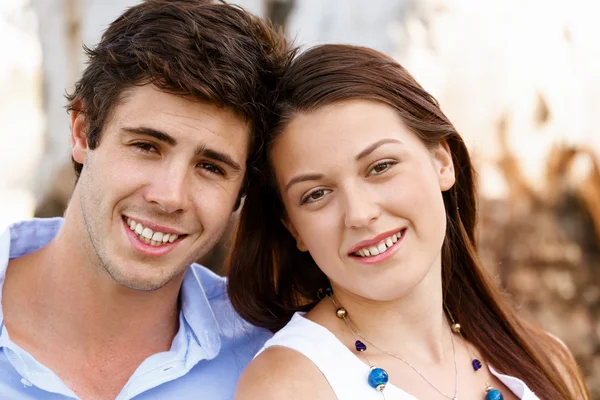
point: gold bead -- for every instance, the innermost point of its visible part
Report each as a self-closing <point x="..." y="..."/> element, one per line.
<point x="380" y="387"/>
<point x="341" y="312"/>
<point x="456" y="328"/>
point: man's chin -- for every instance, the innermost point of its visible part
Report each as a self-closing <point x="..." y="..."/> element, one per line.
<point x="146" y="281"/>
<point x="143" y="286"/>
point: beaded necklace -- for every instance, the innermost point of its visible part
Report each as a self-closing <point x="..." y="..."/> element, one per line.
<point x="378" y="377"/>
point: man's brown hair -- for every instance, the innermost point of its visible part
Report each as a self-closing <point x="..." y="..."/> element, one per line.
<point x="211" y="52"/>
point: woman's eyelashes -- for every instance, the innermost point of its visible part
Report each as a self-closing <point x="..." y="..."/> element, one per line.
<point x="314" y="196"/>
<point x="381" y="167"/>
<point x="376" y="169"/>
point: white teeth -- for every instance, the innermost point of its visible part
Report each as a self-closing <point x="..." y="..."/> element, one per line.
<point x="157" y="237"/>
<point x="147" y="233"/>
<point x="381" y="247"/>
<point x="150" y="237"/>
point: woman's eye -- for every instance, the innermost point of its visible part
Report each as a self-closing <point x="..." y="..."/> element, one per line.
<point x="314" y="196"/>
<point x="211" y="168"/>
<point x="381" y="167"/>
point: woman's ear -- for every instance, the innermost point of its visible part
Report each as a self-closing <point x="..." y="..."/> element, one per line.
<point x="79" y="131"/>
<point x="290" y="227"/>
<point x="442" y="157"/>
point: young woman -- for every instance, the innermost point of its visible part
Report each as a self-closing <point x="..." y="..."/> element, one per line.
<point x="356" y="244"/>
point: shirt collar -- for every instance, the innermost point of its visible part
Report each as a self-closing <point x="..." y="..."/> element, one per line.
<point x="23" y="238"/>
<point x="4" y="253"/>
<point x="198" y="313"/>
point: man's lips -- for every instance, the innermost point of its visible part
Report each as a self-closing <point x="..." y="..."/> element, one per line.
<point x="153" y="226"/>
<point x="151" y="248"/>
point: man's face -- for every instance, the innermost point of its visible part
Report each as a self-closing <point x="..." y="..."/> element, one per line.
<point x="158" y="191"/>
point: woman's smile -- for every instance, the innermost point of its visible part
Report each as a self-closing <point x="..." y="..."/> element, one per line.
<point x="381" y="250"/>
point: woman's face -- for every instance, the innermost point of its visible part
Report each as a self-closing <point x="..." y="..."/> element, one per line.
<point x="364" y="196"/>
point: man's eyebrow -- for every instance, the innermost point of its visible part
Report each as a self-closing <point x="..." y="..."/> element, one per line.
<point x="200" y="151"/>
<point x="156" y="134"/>
<point x="375" y="145"/>
<point x="303" y="178"/>
<point x="218" y="156"/>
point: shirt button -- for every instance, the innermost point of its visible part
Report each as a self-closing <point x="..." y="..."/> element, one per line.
<point x="26" y="382"/>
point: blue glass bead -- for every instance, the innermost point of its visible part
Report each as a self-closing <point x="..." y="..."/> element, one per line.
<point x="476" y="364"/>
<point x="494" y="395"/>
<point x="377" y="377"/>
<point x="328" y="291"/>
<point x="360" y="346"/>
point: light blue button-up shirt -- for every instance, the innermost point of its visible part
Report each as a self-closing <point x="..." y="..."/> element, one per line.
<point x="206" y="358"/>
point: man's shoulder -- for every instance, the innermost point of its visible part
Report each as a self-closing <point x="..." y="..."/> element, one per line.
<point x="27" y="236"/>
<point x="33" y="225"/>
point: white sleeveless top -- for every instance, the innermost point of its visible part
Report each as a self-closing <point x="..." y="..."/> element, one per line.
<point x="345" y="372"/>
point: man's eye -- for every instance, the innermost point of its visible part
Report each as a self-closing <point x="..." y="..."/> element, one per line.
<point x="211" y="168"/>
<point x="145" y="147"/>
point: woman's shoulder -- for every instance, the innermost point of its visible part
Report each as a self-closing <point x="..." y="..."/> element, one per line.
<point x="280" y="372"/>
<point x="287" y="365"/>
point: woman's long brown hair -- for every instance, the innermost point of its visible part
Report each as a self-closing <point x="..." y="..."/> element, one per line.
<point x="270" y="279"/>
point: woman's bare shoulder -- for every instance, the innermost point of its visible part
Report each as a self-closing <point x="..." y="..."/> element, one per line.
<point x="282" y="373"/>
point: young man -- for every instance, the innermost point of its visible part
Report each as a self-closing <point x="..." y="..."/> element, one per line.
<point x="104" y="304"/>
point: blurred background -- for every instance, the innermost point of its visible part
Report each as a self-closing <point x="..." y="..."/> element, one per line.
<point x="519" y="78"/>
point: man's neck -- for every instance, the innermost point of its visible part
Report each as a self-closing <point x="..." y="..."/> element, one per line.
<point x="71" y="297"/>
<point x="56" y="298"/>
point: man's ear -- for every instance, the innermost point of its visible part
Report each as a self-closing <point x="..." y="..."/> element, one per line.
<point x="238" y="202"/>
<point x="290" y="227"/>
<point x="241" y="194"/>
<point x="442" y="157"/>
<point x="79" y="132"/>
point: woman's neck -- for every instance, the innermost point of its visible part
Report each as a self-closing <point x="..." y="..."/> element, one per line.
<point x="413" y="326"/>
